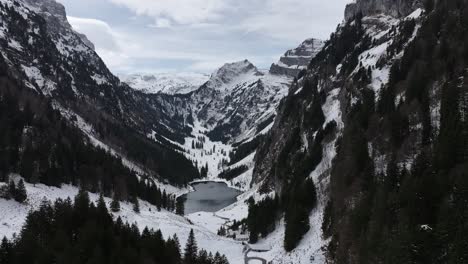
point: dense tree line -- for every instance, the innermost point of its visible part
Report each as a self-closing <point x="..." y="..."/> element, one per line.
<point x="82" y="232"/>
<point x="262" y="217"/>
<point x="293" y="166"/>
<point x="40" y="145"/>
<point x="14" y="191"/>
<point x="244" y="149"/>
<point x="232" y="173"/>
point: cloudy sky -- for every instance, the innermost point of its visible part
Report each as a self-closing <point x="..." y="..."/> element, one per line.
<point x="199" y="35"/>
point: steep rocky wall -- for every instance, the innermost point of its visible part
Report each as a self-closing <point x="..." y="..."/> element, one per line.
<point x="395" y="8"/>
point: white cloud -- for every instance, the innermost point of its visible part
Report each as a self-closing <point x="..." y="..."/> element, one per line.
<point x="96" y="30"/>
<point x="202" y="35"/>
<point x="161" y="23"/>
<point x="294" y="20"/>
<point x="283" y="19"/>
<point x="180" y="11"/>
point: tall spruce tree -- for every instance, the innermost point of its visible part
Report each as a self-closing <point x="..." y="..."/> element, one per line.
<point x="191" y="249"/>
<point x="136" y="206"/>
<point x="115" y="204"/>
<point x="21" y="194"/>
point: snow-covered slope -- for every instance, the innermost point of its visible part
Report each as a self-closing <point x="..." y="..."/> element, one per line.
<point x="167" y="83"/>
<point x="14" y="215"/>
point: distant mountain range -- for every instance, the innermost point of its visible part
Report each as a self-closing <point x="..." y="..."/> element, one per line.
<point x="166" y="83"/>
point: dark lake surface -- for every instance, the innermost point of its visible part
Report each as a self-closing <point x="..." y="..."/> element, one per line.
<point x="209" y="197"/>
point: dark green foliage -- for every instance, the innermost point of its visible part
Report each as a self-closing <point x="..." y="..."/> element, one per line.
<point x="230" y="174"/>
<point x="54" y="152"/>
<point x="191" y="249"/>
<point x="20" y="194"/>
<point x="327" y="227"/>
<point x="242" y="150"/>
<point x="450" y="147"/>
<point x="204" y="171"/>
<point x="302" y="199"/>
<point x="261" y="126"/>
<point x="136" y="206"/>
<point x="6" y="253"/>
<point x="293" y="166"/>
<point x="180" y="205"/>
<point x="262" y="217"/>
<point x="115" y="204"/>
<point x="401" y="215"/>
<point x="85" y="233"/>
<point x="220" y="259"/>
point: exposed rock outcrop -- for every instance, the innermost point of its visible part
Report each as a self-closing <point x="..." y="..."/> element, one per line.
<point x="295" y="60"/>
<point x="395" y="8"/>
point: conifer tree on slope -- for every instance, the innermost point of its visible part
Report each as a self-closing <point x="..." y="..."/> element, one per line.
<point x="191" y="249"/>
<point x="115" y="204"/>
<point x="20" y="194"/>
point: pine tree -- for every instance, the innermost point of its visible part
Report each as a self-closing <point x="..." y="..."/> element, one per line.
<point x="20" y="194"/>
<point x="180" y="207"/>
<point x="115" y="204"/>
<point x="175" y="238"/>
<point x="27" y="162"/>
<point x="136" y="206"/>
<point x="220" y="259"/>
<point x="102" y="212"/>
<point x="5" y="251"/>
<point x="191" y="249"/>
<point x="82" y="202"/>
<point x="203" y="257"/>
<point x="12" y="189"/>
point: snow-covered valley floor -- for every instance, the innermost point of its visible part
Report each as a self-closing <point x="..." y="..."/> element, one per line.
<point x="204" y="224"/>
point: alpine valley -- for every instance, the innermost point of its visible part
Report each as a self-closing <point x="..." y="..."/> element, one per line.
<point x="350" y="150"/>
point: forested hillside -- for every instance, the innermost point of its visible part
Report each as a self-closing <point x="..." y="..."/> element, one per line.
<point x="42" y="52"/>
<point x="378" y="123"/>
<point x="84" y="232"/>
<point x="37" y="143"/>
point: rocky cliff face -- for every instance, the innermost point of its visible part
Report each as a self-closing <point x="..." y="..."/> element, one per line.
<point x="394" y="8"/>
<point x="297" y="59"/>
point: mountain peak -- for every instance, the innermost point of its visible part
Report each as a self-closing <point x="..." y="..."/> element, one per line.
<point x="49" y="6"/>
<point x="55" y="14"/>
<point x="231" y="71"/>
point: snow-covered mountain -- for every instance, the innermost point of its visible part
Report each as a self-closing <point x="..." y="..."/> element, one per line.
<point x="295" y="60"/>
<point x="166" y="83"/>
<point x="376" y="120"/>
<point x="43" y="52"/>
<point x="237" y="101"/>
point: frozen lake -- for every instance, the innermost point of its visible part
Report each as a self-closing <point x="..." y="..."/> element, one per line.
<point x="209" y="197"/>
